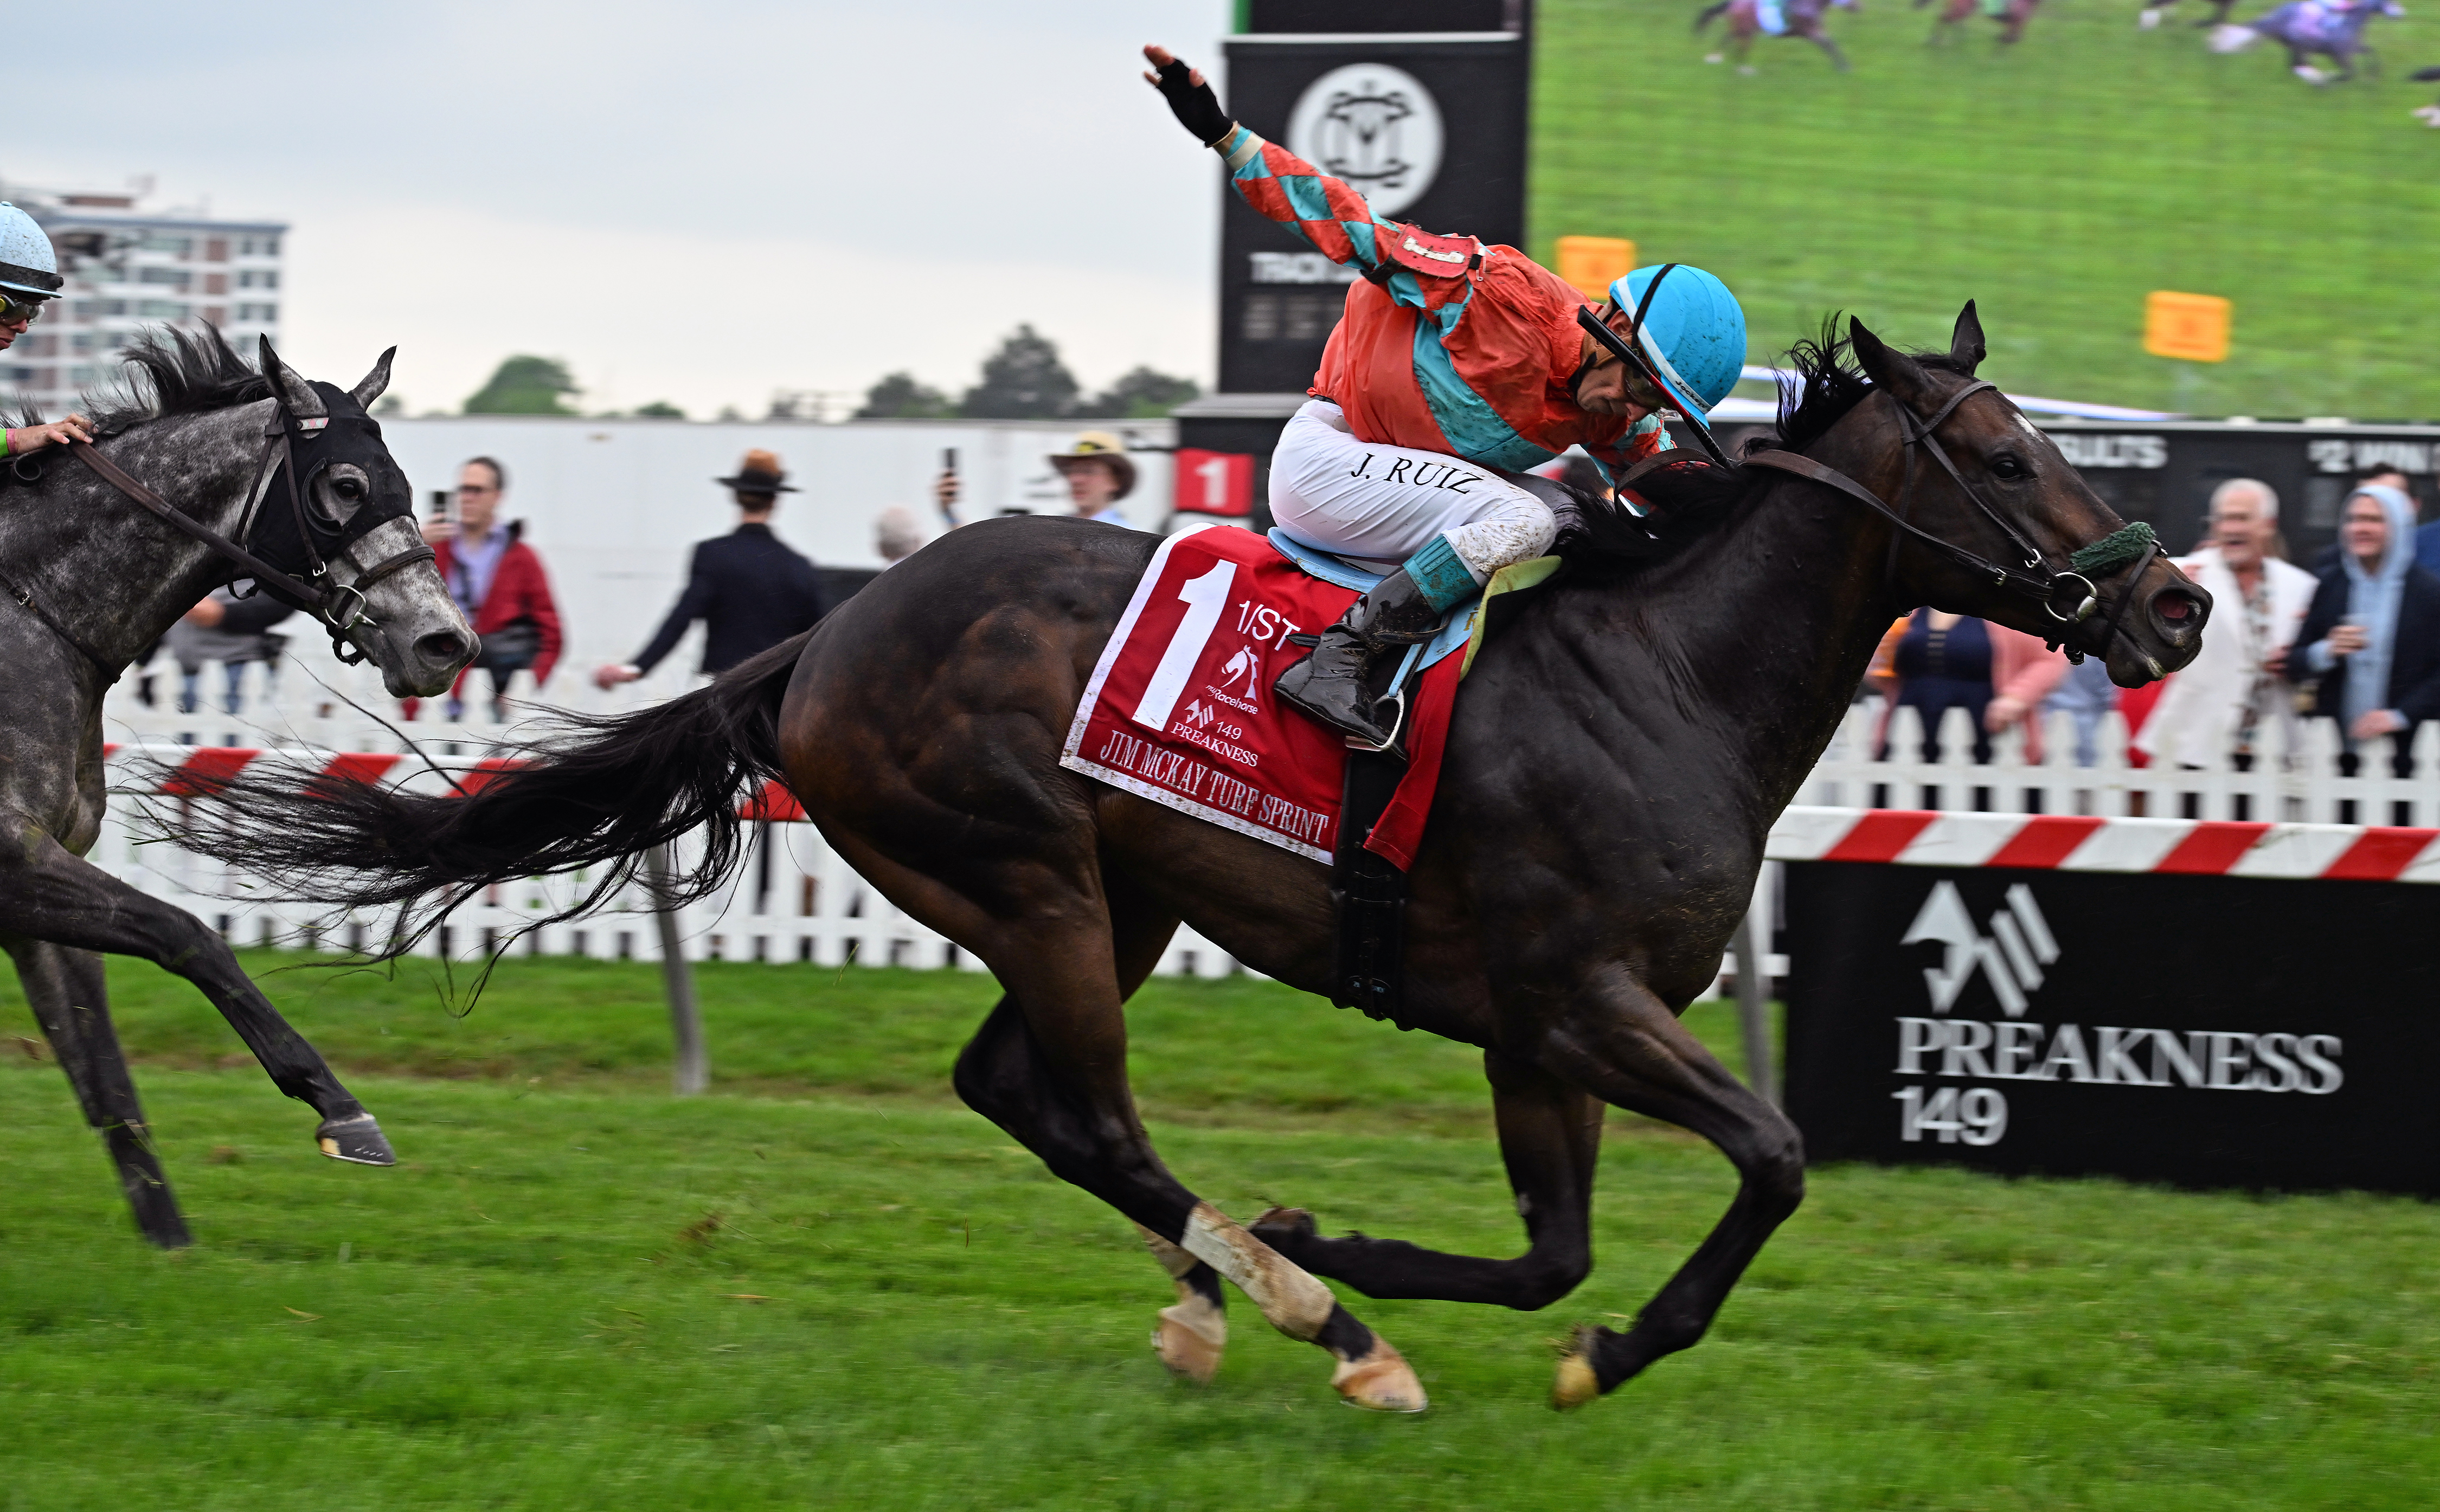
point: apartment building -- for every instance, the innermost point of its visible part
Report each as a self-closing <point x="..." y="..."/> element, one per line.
<point x="126" y="269"/>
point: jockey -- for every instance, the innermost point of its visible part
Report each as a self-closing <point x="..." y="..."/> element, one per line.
<point x="1456" y="366"/>
<point x="29" y="277"/>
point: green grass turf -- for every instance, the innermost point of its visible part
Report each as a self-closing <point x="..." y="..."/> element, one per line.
<point x="541" y="1306"/>
<point x="2056" y="183"/>
<point x="1229" y="1050"/>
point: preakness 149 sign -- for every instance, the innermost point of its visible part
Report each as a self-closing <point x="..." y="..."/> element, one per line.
<point x="2202" y="1030"/>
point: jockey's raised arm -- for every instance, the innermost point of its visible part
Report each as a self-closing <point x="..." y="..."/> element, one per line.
<point x="1451" y="351"/>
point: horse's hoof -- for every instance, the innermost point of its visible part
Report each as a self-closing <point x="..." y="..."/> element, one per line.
<point x="1714" y="58"/>
<point x="2149" y="20"/>
<point x="1382" y="1381"/>
<point x="1190" y="1338"/>
<point x="1290" y="1221"/>
<point x="1576" y="1384"/>
<point x="356" y="1139"/>
<point x="1746" y="70"/>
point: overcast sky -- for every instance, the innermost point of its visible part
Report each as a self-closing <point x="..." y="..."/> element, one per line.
<point x="702" y="204"/>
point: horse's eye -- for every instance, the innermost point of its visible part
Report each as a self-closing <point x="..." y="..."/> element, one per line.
<point x="2007" y="467"/>
<point x="349" y="489"/>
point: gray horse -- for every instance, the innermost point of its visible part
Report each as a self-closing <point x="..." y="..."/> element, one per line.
<point x="92" y="580"/>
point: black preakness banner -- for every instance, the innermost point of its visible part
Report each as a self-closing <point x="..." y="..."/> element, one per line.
<point x="2207" y="1031"/>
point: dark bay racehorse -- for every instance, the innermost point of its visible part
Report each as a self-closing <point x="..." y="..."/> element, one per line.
<point x="1749" y="19"/>
<point x="94" y="579"/>
<point x="2304" y="27"/>
<point x="1621" y="748"/>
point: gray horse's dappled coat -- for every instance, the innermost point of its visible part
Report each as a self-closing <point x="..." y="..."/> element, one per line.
<point x="87" y="567"/>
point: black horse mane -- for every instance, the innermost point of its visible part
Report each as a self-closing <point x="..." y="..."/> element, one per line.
<point x="1820" y="383"/>
<point x="171" y="371"/>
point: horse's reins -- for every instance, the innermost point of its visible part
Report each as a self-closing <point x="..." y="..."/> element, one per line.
<point x="2068" y="598"/>
<point x="339" y="607"/>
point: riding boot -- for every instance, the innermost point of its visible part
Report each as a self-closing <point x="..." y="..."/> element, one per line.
<point x="1330" y="684"/>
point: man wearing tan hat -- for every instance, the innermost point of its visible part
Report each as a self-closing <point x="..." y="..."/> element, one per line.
<point x="747" y="587"/>
<point x="1099" y="474"/>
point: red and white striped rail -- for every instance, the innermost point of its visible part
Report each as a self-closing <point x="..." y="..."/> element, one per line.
<point x="1908" y="837"/>
<point x="2189" y="847"/>
<point x="187" y="771"/>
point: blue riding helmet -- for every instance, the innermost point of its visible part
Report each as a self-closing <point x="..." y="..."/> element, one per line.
<point x="1691" y="330"/>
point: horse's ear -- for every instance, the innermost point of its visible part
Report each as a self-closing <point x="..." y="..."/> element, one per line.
<point x="374" y="381"/>
<point x="302" y="401"/>
<point x="1889" y="367"/>
<point x="1966" y="343"/>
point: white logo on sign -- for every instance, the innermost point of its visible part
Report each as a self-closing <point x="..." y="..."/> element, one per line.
<point x="1376" y="127"/>
<point x="2012" y="954"/>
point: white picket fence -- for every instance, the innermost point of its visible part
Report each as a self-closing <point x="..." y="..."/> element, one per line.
<point x="795" y="900"/>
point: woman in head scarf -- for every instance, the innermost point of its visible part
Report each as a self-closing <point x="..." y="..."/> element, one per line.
<point x="2370" y="648"/>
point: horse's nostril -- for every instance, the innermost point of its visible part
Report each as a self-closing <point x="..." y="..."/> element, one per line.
<point x="2174" y="607"/>
<point x="441" y="646"/>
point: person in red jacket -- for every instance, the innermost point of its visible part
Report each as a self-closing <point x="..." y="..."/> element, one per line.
<point x="498" y="581"/>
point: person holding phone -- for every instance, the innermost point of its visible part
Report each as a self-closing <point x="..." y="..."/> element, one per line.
<point x="2369" y="651"/>
<point x="498" y="583"/>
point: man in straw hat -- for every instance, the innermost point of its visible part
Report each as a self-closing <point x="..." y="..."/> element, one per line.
<point x="750" y="590"/>
<point x="1099" y="474"/>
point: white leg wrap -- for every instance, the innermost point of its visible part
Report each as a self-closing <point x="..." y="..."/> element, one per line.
<point x="1519" y="531"/>
<point x="1172" y="1260"/>
<point x="1292" y="1302"/>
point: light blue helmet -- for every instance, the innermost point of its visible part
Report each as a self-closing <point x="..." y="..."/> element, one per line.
<point x="1691" y="330"/>
<point x="27" y="265"/>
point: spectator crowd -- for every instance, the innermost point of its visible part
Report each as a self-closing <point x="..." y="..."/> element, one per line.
<point x="2356" y="641"/>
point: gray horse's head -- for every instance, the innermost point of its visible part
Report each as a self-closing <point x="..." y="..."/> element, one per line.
<point x="410" y="628"/>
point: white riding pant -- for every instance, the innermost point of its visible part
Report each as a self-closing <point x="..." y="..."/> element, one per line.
<point x="1380" y="505"/>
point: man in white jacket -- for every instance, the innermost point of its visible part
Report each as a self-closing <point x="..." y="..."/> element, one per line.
<point x="2220" y="708"/>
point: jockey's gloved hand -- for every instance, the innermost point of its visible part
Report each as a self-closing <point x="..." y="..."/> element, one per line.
<point x="1190" y="97"/>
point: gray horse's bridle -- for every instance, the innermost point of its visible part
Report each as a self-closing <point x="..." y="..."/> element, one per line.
<point x="339" y="607"/>
<point x="2068" y="598"/>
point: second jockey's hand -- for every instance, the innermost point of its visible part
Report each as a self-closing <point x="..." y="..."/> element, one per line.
<point x="1190" y="96"/>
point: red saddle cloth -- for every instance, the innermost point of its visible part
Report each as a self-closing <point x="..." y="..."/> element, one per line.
<point x="1179" y="709"/>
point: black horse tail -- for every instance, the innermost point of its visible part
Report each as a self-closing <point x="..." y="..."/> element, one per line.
<point x="595" y="794"/>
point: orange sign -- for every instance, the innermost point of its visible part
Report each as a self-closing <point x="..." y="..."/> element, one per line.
<point x="2194" y="327"/>
<point x="1593" y="263"/>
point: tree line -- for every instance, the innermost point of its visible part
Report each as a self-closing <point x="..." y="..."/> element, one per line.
<point x="1025" y="380"/>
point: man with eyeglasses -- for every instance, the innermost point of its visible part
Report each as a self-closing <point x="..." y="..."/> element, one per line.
<point x="1456" y="365"/>
<point x="29" y="279"/>
<point x="498" y="583"/>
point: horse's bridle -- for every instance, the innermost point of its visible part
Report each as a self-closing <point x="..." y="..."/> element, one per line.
<point x="339" y="607"/>
<point x="2068" y="598"/>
